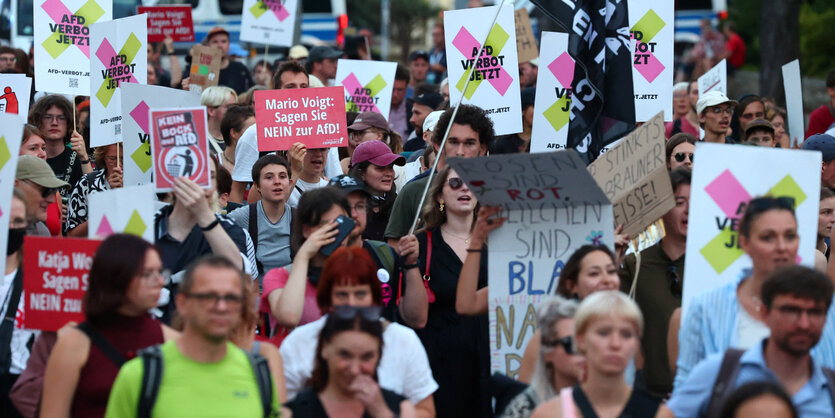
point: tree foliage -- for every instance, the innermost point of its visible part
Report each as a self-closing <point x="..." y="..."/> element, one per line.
<point x="408" y="18"/>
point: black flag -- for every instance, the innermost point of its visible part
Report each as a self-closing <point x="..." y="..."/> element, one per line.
<point x="602" y="100"/>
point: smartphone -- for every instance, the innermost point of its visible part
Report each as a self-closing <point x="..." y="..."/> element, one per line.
<point x="344" y="225"/>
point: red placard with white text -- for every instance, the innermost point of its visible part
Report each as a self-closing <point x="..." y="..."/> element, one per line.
<point x="314" y="117"/>
<point x="55" y="276"/>
<point x="180" y="146"/>
<point x="173" y="21"/>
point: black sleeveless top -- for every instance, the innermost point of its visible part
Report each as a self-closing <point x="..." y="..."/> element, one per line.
<point x="307" y="404"/>
<point x="640" y="404"/>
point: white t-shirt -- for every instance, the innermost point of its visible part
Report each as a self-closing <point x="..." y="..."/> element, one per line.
<point x="302" y="186"/>
<point x="749" y="331"/>
<point x="404" y="367"/>
<point x="20" y="336"/>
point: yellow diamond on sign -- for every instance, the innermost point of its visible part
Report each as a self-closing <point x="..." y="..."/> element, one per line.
<point x="136" y="226"/>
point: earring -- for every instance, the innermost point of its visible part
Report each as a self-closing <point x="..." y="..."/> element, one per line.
<point x="442" y="206"/>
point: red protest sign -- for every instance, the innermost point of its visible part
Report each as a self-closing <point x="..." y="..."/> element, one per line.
<point x="180" y="146"/>
<point x="314" y="117"/>
<point x="173" y="21"/>
<point x="55" y="277"/>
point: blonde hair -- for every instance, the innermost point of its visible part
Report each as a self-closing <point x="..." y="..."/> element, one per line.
<point x="552" y="310"/>
<point x="216" y="96"/>
<point x="607" y="304"/>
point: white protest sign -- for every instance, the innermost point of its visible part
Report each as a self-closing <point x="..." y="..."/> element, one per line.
<point x="62" y="43"/>
<point x="368" y="85"/>
<point x="128" y="210"/>
<point x="137" y="99"/>
<point x="726" y="178"/>
<point x="794" y="102"/>
<point x="651" y="27"/>
<point x="715" y="79"/>
<point x="494" y="76"/>
<point x="268" y="21"/>
<point x="11" y="131"/>
<point x="554" y="207"/>
<point x="14" y="94"/>
<point x="552" y="104"/>
<point x="120" y="56"/>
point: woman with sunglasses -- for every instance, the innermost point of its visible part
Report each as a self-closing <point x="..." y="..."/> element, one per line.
<point x="724" y="317"/>
<point x="125" y="282"/>
<point x="680" y="149"/>
<point x="344" y="381"/>
<point x="108" y="175"/>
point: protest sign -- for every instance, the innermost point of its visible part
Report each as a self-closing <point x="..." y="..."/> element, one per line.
<point x="121" y="56"/>
<point x="634" y="176"/>
<point x="726" y="178"/>
<point x="552" y="104"/>
<point x="11" y="130"/>
<point x="14" y="94"/>
<point x="651" y="28"/>
<point x="368" y="85"/>
<point x="553" y="207"/>
<point x="794" y="102"/>
<point x="56" y="272"/>
<point x="62" y="43"/>
<point x="180" y="146"/>
<point x="128" y="210"/>
<point x="205" y="67"/>
<point x="525" y="40"/>
<point x="270" y="22"/>
<point x="137" y="99"/>
<point x="314" y="117"/>
<point x="715" y="79"/>
<point x="165" y="21"/>
<point x="494" y="76"/>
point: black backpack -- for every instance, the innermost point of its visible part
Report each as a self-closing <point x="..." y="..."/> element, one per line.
<point x="152" y="377"/>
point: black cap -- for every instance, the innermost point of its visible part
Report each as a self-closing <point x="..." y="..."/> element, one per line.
<point x="322" y="52"/>
<point x="348" y="184"/>
<point x="418" y="54"/>
<point x="431" y="100"/>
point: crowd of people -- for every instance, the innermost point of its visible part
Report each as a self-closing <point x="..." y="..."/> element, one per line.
<point x="296" y="285"/>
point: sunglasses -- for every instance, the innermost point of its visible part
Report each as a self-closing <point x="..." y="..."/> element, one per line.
<point x="675" y="280"/>
<point x="680" y="156"/>
<point x="455" y="183"/>
<point x="45" y="192"/>
<point x="566" y="342"/>
<point x="368" y="313"/>
<point x="762" y="204"/>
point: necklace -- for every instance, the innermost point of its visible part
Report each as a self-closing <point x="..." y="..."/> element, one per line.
<point x="465" y="239"/>
<point x="227" y="158"/>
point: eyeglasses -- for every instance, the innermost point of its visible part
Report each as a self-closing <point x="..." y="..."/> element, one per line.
<point x="717" y="110"/>
<point x="368" y="313"/>
<point x="680" y="156"/>
<point x="359" y="207"/>
<point x="49" y="118"/>
<point x="45" y="192"/>
<point x="212" y="299"/>
<point x="148" y="277"/>
<point x="455" y="183"/>
<point x="794" y="313"/>
<point x="8" y="59"/>
<point x="566" y="342"/>
<point x="675" y="280"/>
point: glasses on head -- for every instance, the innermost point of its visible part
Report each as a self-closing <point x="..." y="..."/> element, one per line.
<point x="455" y="183"/>
<point x="675" y="280"/>
<point x="59" y="118"/>
<point x="566" y="342"/>
<point x="762" y="204"/>
<point x="680" y="156"/>
<point x="212" y="299"/>
<point x="368" y="313"/>
<point x="45" y="192"/>
<point x="718" y="110"/>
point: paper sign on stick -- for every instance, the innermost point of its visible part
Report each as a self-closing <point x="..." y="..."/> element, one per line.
<point x="525" y="41"/>
<point x="553" y="207"/>
<point x="11" y="130"/>
<point x="634" y="177"/>
<point x="270" y="22"/>
<point x="62" y="43"/>
<point x="552" y="104"/>
<point x="119" y="55"/>
<point x="14" y="94"/>
<point x="55" y="276"/>
<point x="205" y="67"/>
<point x="794" y="102"/>
<point x="368" y="85"/>
<point x="651" y="27"/>
<point x="137" y="99"/>
<point x="314" y="117"/>
<point x="726" y="178"/>
<point x="128" y="210"/>
<point x="164" y="21"/>
<point x="715" y="79"/>
<point x="180" y="146"/>
<point x="494" y="76"/>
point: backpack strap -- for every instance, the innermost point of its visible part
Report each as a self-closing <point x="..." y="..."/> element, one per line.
<point x="829" y="374"/>
<point x="384" y="253"/>
<point x="253" y="234"/>
<point x="102" y="344"/>
<point x="264" y="379"/>
<point x="151" y="380"/>
<point x="724" y="380"/>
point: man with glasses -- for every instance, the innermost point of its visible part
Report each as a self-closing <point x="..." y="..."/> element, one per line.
<point x="38" y="183"/>
<point x="107" y="177"/>
<point x="715" y="111"/>
<point x="203" y="373"/>
<point x="794" y="306"/>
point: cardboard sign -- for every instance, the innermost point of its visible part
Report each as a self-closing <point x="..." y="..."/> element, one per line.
<point x="165" y="21"/>
<point x="314" y="117"/>
<point x="525" y="40"/>
<point x="726" y="178"/>
<point x="715" y="79"/>
<point x="552" y="105"/>
<point x="62" y="43"/>
<point x="14" y="94"/>
<point x="128" y="210"/>
<point x="137" y="99"/>
<point x="634" y="177"/>
<point x="794" y="102"/>
<point x="11" y="130"/>
<point x="205" y="67"/>
<point x="494" y="76"/>
<point x="55" y="276"/>
<point x="368" y="85"/>
<point x="651" y="29"/>
<point x="120" y="49"/>
<point x="270" y="22"/>
<point x="180" y="146"/>
<point x="553" y="208"/>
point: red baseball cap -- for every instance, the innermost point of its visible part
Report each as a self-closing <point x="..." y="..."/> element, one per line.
<point x="377" y="153"/>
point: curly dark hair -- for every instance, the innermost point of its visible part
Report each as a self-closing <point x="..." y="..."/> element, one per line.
<point x="470" y="115"/>
<point x="44" y="104"/>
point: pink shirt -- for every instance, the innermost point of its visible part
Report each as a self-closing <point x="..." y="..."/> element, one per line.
<point x="277" y="279"/>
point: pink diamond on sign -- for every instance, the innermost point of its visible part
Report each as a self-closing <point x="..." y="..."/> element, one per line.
<point x="563" y="69"/>
<point x="728" y="193"/>
<point x="279" y="11"/>
<point x="105" y="230"/>
<point x="650" y="67"/>
<point x="140" y="115"/>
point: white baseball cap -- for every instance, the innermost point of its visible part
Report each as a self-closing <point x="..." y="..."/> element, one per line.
<point x="713" y="98"/>
<point x="432" y="120"/>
